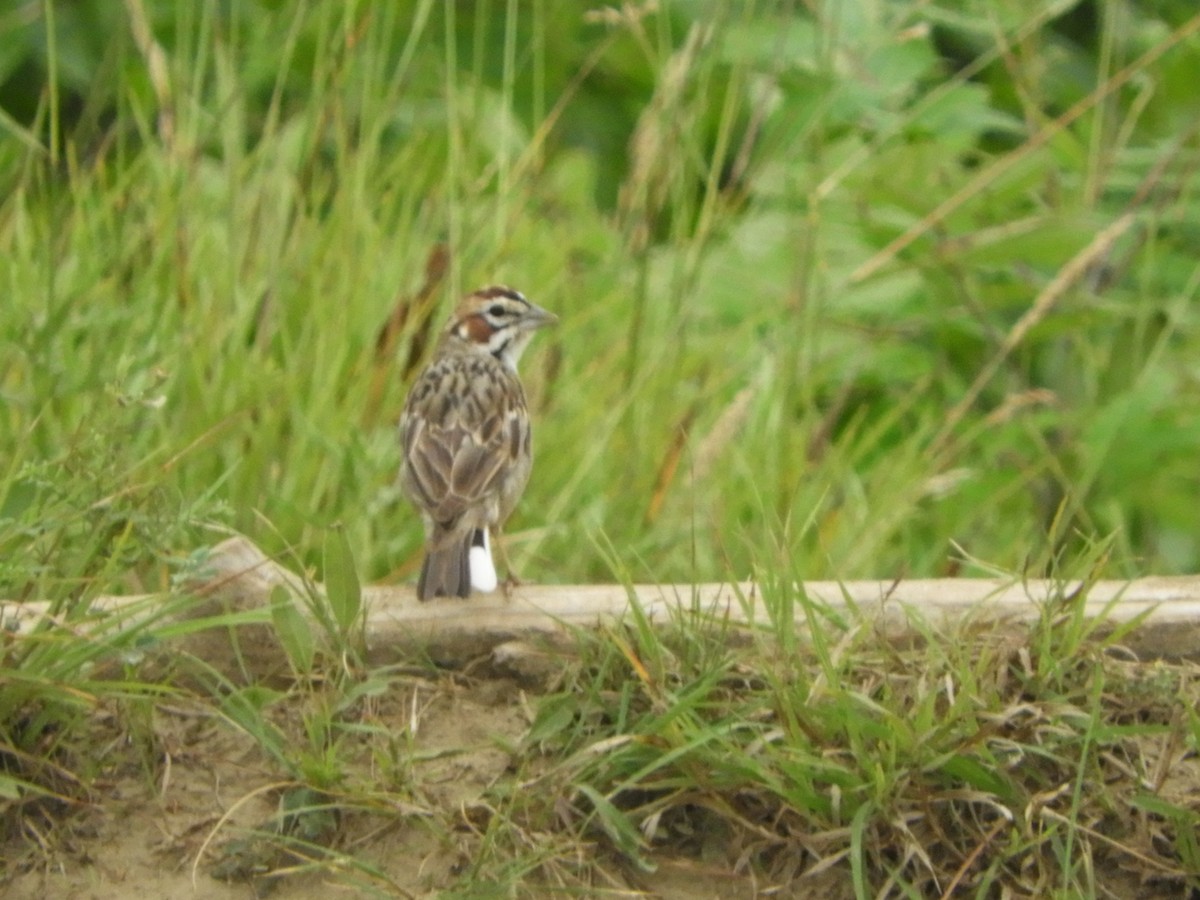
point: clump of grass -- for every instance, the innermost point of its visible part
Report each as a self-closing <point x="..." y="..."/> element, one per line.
<point x="91" y="514"/>
<point x="1025" y="761"/>
<point x="90" y="517"/>
<point x="76" y="702"/>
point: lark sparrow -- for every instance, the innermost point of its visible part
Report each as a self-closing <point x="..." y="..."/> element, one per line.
<point x="466" y="438"/>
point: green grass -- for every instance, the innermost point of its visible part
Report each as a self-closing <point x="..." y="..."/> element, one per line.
<point x="901" y="762"/>
<point x="891" y="290"/>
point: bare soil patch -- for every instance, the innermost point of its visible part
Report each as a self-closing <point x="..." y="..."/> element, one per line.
<point x="148" y="820"/>
<point x="160" y="824"/>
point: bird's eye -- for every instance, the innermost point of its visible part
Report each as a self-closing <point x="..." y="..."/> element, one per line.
<point x="497" y="310"/>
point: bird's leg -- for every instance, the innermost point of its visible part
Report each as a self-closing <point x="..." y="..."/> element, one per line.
<point x="511" y="581"/>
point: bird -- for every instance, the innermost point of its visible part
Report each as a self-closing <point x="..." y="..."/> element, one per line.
<point x="466" y="439"/>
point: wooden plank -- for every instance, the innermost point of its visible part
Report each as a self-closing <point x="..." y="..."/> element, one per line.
<point x="241" y="577"/>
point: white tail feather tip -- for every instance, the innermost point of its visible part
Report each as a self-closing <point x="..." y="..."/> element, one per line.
<point x="483" y="570"/>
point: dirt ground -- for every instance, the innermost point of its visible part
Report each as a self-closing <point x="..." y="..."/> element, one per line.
<point x="157" y="829"/>
<point x="161" y="822"/>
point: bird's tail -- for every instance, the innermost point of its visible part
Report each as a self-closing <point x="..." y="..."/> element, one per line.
<point x="456" y="563"/>
<point x="446" y="571"/>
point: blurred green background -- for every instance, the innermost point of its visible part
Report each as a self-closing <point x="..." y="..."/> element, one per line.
<point x="865" y="289"/>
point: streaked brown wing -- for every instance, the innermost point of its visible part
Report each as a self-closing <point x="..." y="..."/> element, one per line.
<point x="457" y="434"/>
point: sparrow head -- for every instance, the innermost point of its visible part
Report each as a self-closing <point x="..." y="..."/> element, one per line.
<point x="499" y="321"/>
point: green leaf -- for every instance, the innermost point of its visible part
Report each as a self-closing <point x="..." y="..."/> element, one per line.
<point x="619" y="829"/>
<point x="342" y="586"/>
<point x="10" y="789"/>
<point x="971" y="771"/>
<point x="292" y="629"/>
<point x="245" y="709"/>
<point x="858" y="829"/>
<point x="554" y="716"/>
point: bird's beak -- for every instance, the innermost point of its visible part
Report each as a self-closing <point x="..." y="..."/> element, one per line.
<point x="540" y="318"/>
